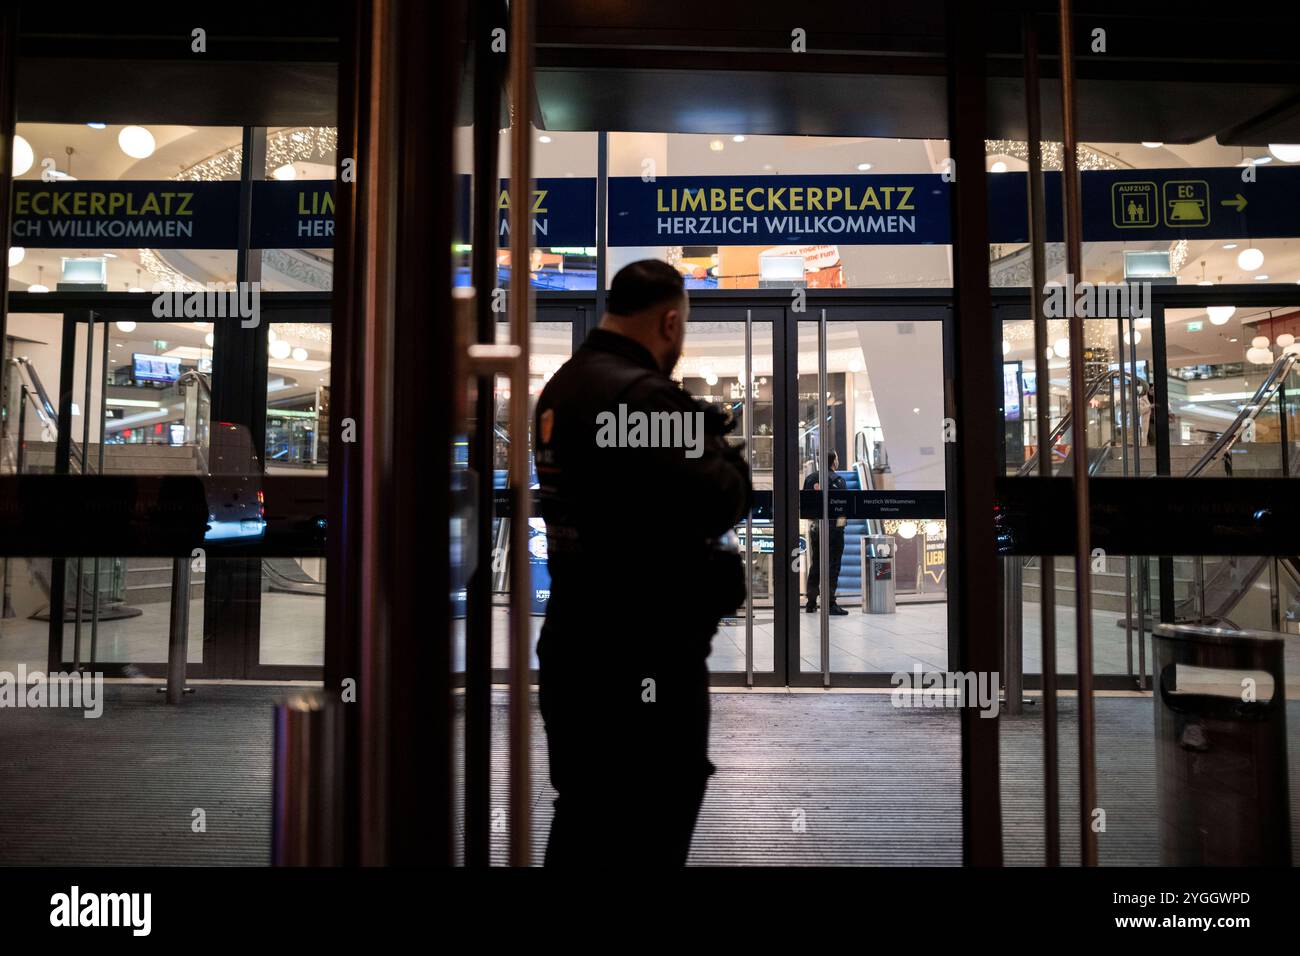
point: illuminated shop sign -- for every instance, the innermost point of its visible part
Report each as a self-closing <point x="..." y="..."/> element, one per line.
<point x="114" y="215"/>
<point x="881" y="209"/>
<point x="777" y="210"/>
<point x="769" y="211"/>
<point x="286" y="215"/>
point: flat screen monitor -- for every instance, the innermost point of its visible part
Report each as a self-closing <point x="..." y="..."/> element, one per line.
<point x="155" y="368"/>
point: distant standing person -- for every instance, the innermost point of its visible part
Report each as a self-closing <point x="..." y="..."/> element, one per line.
<point x="813" y="483"/>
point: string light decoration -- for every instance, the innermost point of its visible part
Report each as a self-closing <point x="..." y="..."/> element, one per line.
<point x="1089" y="158"/>
<point x="283" y="147"/>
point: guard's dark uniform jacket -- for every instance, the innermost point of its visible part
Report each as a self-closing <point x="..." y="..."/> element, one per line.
<point x="636" y="585"/>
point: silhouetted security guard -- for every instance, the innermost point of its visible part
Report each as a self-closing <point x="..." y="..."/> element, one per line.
<point x="638" y="486"/>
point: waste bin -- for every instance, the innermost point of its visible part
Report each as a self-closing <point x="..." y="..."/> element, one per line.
<point x="1221" y="761"/>
<point x="877" y="574"/>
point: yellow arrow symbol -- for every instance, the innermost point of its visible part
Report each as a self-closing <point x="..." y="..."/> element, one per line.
<point x="1239" y="202"/>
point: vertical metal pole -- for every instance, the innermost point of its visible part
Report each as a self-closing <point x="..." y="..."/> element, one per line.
<point x="1282" y="429"/>
<point x="8" y="84"/>
<point x="103" y="420"/>
<point x="20" y="459"/>
<point x="1144" y="602"/>
<point x="85" y="467"/>
<point x="1198" y="586"/>
<point x="488" y="75"/>
<point x="973" y="365"/>
<point x="1274" y="601"/>
<point x="1124" y="430"/>
<point x="823" y="524"/>
<point x="179" y="629"/>
<point x="1083" y="535"/>
<point x="1123" y="395"/>
<point x="1042" y="416"/>
<point x="602" y="223"/>
<point x="1139" y="436"/>
<point x="749" y="516"/>
<point x="521" y="103"/>
<point x="1012" y="630"/>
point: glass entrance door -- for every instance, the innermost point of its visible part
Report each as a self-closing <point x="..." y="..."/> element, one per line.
<point x="727" y="361"/>
<point x="870" y="413"/>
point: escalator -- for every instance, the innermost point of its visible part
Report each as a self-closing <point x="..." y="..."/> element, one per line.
<point x="30" y="393"/>
<point x="286" y="576"/>
<point x="1214" y="596"/>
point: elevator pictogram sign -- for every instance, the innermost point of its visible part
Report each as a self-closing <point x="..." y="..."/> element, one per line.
<point x="1133" y="205"/>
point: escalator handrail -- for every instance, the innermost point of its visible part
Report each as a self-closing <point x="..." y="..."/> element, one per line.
<point x="1249" y="412"/>
<point x="45" y="409"/>
<point x="867" y="482"/>
<point x="193" y="375"/>
<point x="1055" y="434"/>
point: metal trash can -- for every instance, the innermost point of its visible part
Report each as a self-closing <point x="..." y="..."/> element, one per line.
<point x="1221" y="760"/>
<point x="877" y="574"/>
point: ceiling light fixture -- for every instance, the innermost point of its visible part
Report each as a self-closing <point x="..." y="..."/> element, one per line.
<point x="1250" y="259"/>
<point x="136" y="141"/>
<point x="23" y="156"/>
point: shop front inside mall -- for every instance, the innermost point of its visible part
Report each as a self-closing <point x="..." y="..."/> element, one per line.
<point x="820" y="275"/>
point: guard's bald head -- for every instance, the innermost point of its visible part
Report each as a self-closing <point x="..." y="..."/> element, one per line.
<point x="647" y="302"/>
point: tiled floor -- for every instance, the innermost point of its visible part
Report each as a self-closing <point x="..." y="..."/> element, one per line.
<point x="293" y="632"/>
<point x="867" y="783"/>
<point x="880" y="643"/>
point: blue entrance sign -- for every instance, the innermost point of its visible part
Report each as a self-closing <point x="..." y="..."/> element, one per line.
<point x="778" y="210"/>
<point x="1127" y="205"/>
<point x="91" y="214"/>
<point x="1119" y="206"/>
<point x="300" y="215"/>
